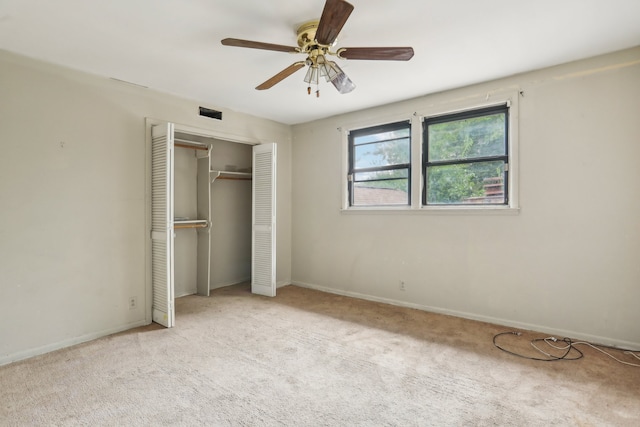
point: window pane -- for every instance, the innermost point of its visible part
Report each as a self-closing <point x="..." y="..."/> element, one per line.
<point x="391" y="192"/>
<point x="382" y="136"/>
<point x="467" y="184"/>
<point x="380" y="165"/>
<point x="467" y="138"/>
<point x="382" y="154"/>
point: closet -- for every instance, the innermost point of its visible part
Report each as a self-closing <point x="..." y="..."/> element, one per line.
<point x="212" y="217"/>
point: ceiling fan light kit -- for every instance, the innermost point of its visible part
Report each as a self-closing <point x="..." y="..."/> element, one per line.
<point x="315" y="39"/>
<point x="319" y="67"/>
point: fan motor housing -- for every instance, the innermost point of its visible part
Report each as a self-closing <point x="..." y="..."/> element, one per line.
<point x="307" y="32"/>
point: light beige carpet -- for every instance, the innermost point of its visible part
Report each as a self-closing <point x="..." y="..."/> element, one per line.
<point x="307" y="358"/>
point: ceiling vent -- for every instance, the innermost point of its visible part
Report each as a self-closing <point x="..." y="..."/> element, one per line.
<point x="212" y="114"/>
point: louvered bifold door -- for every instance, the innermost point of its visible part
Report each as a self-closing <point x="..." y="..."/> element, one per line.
<point x="263" y="253"/>
<point x="162" y="224"/>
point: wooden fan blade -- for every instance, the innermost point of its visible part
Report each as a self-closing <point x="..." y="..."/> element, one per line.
<point x="377" y="53"/>
<point x="281" y="75"/>
<point x="334" y="16"/>
<point x="258" y="45"/>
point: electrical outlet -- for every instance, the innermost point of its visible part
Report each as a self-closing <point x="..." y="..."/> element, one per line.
<point x="402" y="285"/>
<point x="133" y="303"/>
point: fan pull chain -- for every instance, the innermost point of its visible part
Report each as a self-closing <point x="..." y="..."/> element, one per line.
<point x="317" y="91"/>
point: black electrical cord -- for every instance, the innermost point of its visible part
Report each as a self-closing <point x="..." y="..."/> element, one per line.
<point x="551" y="358"/>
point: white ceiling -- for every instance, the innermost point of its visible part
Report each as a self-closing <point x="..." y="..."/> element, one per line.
<point x="174" y="45"/>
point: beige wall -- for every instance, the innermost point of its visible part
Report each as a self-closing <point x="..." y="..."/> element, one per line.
<point x="566" y="263"/>
<point x="73" y="202"/>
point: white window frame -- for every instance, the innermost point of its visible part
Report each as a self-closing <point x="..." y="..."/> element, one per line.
<point x="508" y="96"/>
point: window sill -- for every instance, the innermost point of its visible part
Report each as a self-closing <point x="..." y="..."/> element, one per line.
<point x="431" y="210"/>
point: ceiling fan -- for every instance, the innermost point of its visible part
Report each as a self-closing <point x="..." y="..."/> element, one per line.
<point x="316" y="39"/>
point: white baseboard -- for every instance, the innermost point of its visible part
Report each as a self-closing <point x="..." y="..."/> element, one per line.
<point x="595" y="339"/>
<point x="14" y="357"/>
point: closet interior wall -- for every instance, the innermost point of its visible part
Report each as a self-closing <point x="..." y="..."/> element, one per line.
<point x="230" y="213"/>
<point x="185" y="206"/>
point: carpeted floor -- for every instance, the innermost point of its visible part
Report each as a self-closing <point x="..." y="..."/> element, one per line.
<point x="306" y="358"/>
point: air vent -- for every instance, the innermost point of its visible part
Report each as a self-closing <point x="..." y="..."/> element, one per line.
<point x="213" y="114"/>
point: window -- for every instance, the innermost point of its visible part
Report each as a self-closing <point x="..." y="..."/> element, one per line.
<point x="380" y="165"/>
<point x="458" y="156"/>
<point x="466" y="159"/>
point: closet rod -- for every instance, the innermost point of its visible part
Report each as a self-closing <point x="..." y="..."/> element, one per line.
<point x="190" y="144"/>
<point x="231" y="177"/>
